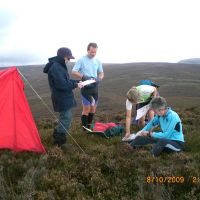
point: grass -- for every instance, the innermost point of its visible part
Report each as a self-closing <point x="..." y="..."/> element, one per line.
<point x="107" y="170"/>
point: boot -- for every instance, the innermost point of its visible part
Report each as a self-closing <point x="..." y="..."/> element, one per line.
<point x="84" y="120"/>
<point x="90" y="119"/>
<point x="59" y="138"/>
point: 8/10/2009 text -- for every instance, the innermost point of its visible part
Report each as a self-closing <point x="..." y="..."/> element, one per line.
<point x="165" y="179"/>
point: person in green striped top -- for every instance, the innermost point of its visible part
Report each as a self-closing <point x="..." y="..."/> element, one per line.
<point x="141" y="96"/>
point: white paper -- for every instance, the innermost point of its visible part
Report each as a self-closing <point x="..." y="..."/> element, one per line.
<point x="84" y="83"/>
<point x="142" y="111"/>
<point x="131" y="137"/>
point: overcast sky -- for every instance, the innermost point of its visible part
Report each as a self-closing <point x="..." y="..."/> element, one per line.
<point x="125" y="30"/>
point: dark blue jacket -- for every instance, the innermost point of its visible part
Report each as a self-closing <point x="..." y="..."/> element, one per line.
<point x="60" y="84"/>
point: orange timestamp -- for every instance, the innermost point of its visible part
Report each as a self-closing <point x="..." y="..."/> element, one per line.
<point x="195" y="179"/>
<point x="165" y="179"/>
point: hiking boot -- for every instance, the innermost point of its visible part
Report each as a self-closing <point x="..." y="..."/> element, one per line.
<point x="59" y="138"/>
<point x="84" y="128"/>
<point x="84" y="120"/>
<point x="87" y="130"/>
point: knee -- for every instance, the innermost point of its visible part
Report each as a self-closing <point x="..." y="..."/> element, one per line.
<point x="92" y="109"/>
<point x="137" y="141"/>
<point x="162" y="142"/>
<point x="141" y="123"/>
<point x="86" y="110"/>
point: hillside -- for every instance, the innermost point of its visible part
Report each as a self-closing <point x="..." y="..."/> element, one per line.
<point x="191" y="61"/>
<point x="106" y="169"/>
<point x="180" y="83"/>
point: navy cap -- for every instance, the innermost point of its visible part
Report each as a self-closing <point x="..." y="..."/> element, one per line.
<point x="65" y="52"/>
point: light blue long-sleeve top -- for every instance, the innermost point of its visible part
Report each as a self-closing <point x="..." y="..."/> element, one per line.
<point x="170" y="125"/>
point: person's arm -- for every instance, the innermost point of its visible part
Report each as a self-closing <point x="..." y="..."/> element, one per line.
<point x="171" y="123"/>
<point x="61" y="80"/>
<point x="155" y="92"/>
<point x="76" y="70"/>
<point x="128" y="123"/>
<point x="77" y="74"/>
<point x="101" y="75"/>
<point x="147" y="130"/>
<point x="154" y="122"/>
<point x="128" y="117"/>
<point x="100" y="72"/>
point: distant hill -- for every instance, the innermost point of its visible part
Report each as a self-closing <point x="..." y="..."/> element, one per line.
<point x="190" y="61"/>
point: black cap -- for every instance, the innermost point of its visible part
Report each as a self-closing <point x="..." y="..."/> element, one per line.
<point x="65" y="52"/>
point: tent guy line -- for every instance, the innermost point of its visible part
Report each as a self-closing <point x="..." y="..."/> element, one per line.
<point x="50" y="110"/>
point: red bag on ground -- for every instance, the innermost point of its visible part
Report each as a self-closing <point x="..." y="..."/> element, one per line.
<point x="101" y="127"/>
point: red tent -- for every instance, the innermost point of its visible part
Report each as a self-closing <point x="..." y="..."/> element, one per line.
<point x="18" y="131"/>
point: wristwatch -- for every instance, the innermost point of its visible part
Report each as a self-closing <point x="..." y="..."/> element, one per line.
<point x="149" y="134"/>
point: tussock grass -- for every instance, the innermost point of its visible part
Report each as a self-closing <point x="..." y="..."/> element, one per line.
<point x="108" y="170"/>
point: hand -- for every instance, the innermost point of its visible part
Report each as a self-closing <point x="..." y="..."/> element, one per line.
<point x="84" y="78"/>
<point x="127" y="135"/>
<point x="144" y="133"/>
<point x="150" y="133"/>
<point x="80" y="84"/>
<point x="97" y="80"/>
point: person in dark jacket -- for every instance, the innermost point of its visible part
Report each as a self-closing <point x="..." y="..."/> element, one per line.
<point x="62" y="96"/>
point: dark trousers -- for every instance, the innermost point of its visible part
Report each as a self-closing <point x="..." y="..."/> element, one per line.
<point x="65" y="118"/>
<point x="159" y="144"/>
<point x="61" y="130"/>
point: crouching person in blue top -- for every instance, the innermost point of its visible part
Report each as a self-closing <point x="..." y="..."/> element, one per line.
<point x="170" y="138"/>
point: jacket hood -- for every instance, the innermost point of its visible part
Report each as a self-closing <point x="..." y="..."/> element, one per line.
<point x="56" y="59"/>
